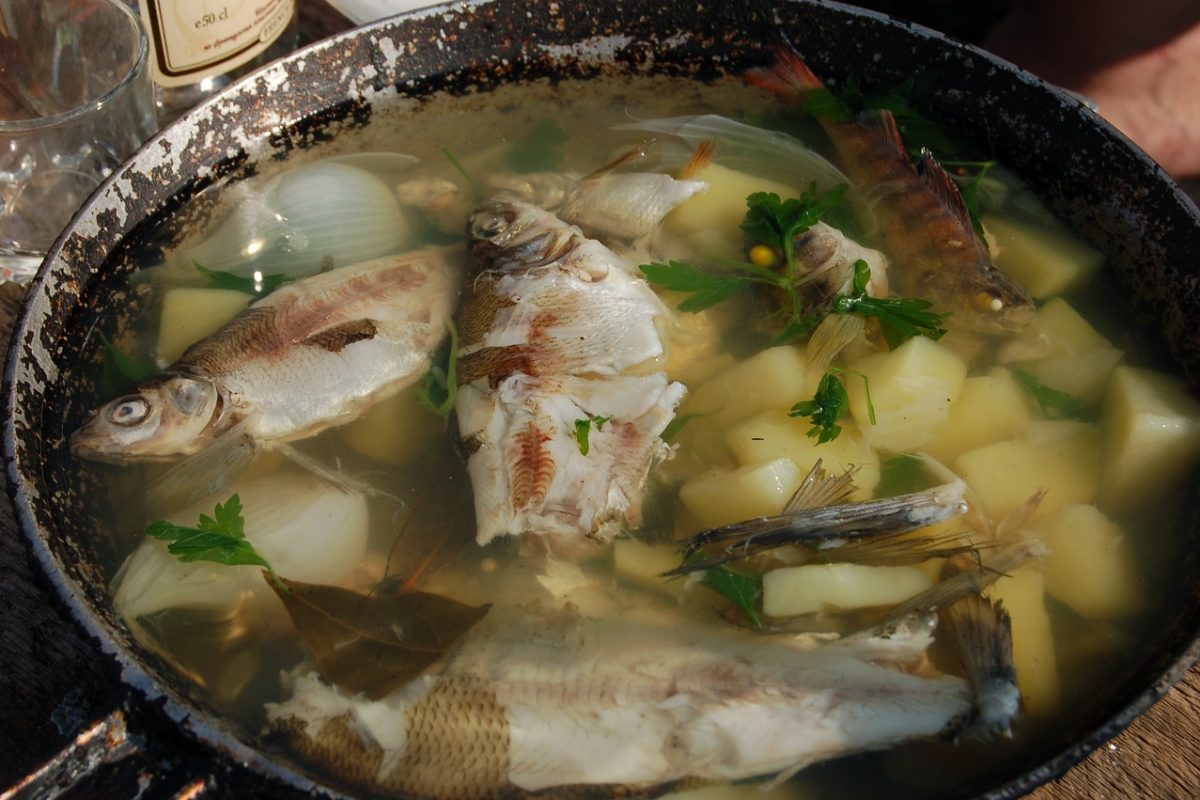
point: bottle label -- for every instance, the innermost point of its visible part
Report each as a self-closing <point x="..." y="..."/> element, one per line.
<point x="198" y="38"/>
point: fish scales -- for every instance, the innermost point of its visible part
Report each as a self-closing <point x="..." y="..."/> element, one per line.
<point x="926" y="229"/>
<point x="551" y="326"/>
<point x="624" y="706"/>
<point x="313" y="354"/>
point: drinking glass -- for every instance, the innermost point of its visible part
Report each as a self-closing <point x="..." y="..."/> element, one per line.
<point x="76" y="99"/>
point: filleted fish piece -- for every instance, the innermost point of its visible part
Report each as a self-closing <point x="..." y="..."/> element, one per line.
<point x="614" y="707"/>
<point x="311" y="355"/>
<point x="561" y="433"/>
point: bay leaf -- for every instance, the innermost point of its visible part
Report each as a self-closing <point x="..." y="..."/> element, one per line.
<point x="375" y="644"/>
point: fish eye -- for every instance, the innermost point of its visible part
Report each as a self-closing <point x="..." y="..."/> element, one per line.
<point x="493" y="225"/>
<point x="987" y="302"/>
<point x="129" y="411"/>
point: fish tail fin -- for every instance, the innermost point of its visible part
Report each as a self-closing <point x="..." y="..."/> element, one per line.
<point x="787" y="76"/>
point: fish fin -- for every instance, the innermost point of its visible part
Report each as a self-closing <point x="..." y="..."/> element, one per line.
<point x="981" y="630"/>
<point x="201" y="475"/>
<point x="627" y="157"/>
<point x="701" y="158"/>
<point x="332" y="475"/>
<point x="882" y="125"/>
<point x="942" y="185"/>
<point x="788" y="75"/>
<point x="339" y="336"/>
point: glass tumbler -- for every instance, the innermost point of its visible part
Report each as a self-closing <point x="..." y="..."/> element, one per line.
<point x="76" y="99"/>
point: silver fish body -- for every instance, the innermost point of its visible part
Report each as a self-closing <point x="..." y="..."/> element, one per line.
<point x="550" y="329"/>
<point x="614" y="706"/>
<point x="311" y="355"/>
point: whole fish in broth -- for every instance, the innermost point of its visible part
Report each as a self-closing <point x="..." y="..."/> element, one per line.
<point x="311" y="355"/>
<point x="926" y="229"/>
<point x="561" y="433"/>
<point x="634" y="704"/>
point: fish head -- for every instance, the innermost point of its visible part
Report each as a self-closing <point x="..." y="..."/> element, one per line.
<point x="168" y="417"/>
<point x="992" y="303"/>
<point x="510" y="235"/>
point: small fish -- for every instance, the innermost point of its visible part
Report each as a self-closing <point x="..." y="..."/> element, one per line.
<point x="550" y="327"/>
<point x="626" y="206"/>
<point x="618" y="707"/>
<point x="313" y="354"/>
<point x="926" y="230"/>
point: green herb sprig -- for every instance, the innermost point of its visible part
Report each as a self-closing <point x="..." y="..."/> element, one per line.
<point x="583" y="429"/>
<point x="220" y="538"/>
<point x="743" y="591"/>
<point x="829" y="404"/>
<point x="1054" y="403"/>
<point x="901" y="317"/>
<point x="259" y="287"/>
<point x="439" y="387"/>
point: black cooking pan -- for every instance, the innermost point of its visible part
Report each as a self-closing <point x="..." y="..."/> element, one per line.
<point x="1084" y="170"/>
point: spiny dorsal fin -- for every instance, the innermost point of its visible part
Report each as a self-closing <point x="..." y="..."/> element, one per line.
<point x="335" y="338"/>
<point x="941" y="184"/>
<point x="880" y="123"/>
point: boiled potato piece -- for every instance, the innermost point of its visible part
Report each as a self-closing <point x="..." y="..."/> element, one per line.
<point x="189" y="315"/>
<point x="1089" y="567"/>
<point x="394" y="430"/>
<point x="721" y="497"/>
<point x="773" y="378"/>
<point x="912" y="388"/>
<point x="1069" y="354"/>
<point x="1023" y="595"/>
<point x="990" y="408"/>
<point x="1061" y="457"/>
<point x="773" y="434"/>
<point x="723" y="207"/>
<point x="1047" y="261"/>
<point x="1151" y="437"/>
<point x="790" y="591"/>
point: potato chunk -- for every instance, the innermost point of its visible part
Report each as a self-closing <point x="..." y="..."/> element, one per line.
<point x="773" y="434"/>
<point x="721" y="497"/>
<point x="1046" y="261"/>
<point x="1023" y="595"/>
<point x="912" y="388"/>
<point x="791" y="591"/>
<point x="1089" y="566"/>
<point x="1074" y="357"/>
<point x="774" y="378"/>
<point x="189" y="315"/>
<point x="1151" y="437"/>
<point x="723" y="207"/>
<point x="990" y="408"/>
<point x="393" y="431"/>
<point x="1061" y="457"/>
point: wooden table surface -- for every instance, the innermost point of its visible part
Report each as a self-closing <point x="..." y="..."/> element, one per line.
<point x="50" y="687"/>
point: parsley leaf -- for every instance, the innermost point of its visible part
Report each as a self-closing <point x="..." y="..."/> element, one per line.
<point x="901" y="317"/>
<point x="541" y="150"/>
<point x="829" y="404"/>
<point x="258" y="285"/>
<point x="439" y="387"/>
<point x="583" y="428"/>
<point x="825" y="409"/>
<point x="777" y="222"/>
<point x="220" y="538"/>
<point x="743" y="591"/>
<point x="1054" y="403"/>
<point x="706" y="288"/>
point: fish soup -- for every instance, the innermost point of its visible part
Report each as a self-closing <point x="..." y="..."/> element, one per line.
<point x="464" y="552"/>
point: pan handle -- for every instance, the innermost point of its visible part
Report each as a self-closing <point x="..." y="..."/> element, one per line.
<point x="108" y="760"/>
